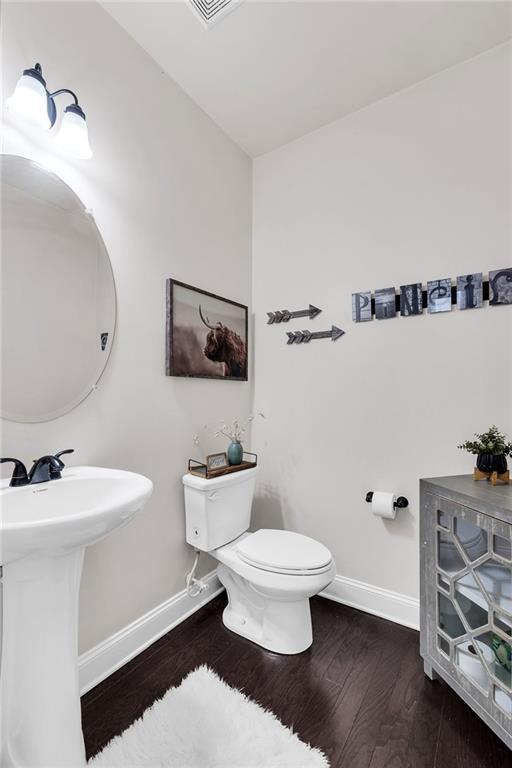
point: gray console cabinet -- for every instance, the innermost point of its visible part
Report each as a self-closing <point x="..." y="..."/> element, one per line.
<point x="466" y="593"/>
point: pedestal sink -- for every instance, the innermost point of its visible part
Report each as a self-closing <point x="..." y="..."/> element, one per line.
<point x="43" y="534"/>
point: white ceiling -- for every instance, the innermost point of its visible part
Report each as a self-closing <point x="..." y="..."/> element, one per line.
<point x="270" y="72"/>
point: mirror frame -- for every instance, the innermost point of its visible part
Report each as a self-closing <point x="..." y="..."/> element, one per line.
<point x="90" y="388"/>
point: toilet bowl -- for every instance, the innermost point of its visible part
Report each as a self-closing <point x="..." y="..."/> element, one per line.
<point x="269" y="575"/>
<point x="268" y="594"/>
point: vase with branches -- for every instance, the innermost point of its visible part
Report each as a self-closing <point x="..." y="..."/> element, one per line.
<point x="235" y="432"/>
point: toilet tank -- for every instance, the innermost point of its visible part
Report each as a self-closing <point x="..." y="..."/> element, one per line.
<point x="218" y="510"/>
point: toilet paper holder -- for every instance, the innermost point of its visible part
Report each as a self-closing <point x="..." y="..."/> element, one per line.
<point x="400" y="503"/>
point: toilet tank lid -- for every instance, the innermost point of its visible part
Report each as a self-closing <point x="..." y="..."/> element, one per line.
<point x="233" y="478"/>
<point x="283" y="550"/>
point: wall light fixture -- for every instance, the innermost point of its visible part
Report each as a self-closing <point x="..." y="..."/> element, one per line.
<point x="32" y="101"/>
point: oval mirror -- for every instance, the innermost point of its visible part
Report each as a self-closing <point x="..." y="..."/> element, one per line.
<point x="57" y="295"/>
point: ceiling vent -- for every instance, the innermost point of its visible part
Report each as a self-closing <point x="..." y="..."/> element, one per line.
<point x="212" y="11"/>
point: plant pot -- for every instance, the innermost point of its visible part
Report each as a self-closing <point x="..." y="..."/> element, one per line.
<point x="235" y="453"/>
<point x="488" y="462"/>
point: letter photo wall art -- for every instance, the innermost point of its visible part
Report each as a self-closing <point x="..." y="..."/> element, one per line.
<point x="207" y="335"/>
<point x="439" y="295"/>
<point x="469" y="292"/>
<point x="385" y="303"/>
<point x="362" y="306"/>
<point x="411" y="299"/>
<point x="500" y="287"/>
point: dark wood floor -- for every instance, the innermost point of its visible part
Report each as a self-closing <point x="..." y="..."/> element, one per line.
<point x="359" y="693"/>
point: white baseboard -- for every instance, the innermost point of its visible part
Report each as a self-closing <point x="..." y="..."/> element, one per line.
<point x="380" y="602"/>
<point x="102" y="660"/>
<point x="111" y="654"/>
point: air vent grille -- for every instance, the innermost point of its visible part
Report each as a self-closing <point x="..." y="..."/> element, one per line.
<point x="211" y="11"/>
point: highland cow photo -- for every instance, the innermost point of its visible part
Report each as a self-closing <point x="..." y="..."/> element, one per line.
<point x="206" y="334"/>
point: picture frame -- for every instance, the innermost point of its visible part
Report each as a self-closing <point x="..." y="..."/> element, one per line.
<point x="385" y="303"/>
<point x="362" y="307"/>
<point x="470" y="291"/>
<point x="206" y="334"/>
<point x="216" y="461"/>
<point x="500" y="286"/>
<point x="439" y="295"/>
<point x="411" y="299"/>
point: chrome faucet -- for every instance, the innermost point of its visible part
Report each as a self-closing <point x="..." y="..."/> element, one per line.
<point x="43" y="470"/>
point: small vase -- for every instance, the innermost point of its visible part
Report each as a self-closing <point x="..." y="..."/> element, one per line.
<point x="235" y="453"/>
<point x="488" y="462"/>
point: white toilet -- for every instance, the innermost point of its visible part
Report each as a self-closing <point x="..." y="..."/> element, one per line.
<point x="269" y="575"/>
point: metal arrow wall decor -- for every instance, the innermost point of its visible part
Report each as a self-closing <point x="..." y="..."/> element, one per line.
<point x="297" y="337"/>
<point x="284" y="315"/>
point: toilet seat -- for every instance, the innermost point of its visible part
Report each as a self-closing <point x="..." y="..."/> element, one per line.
<point x="284" y="552"/>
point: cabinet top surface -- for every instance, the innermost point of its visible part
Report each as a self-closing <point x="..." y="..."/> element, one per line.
<point x="467" y="490"/>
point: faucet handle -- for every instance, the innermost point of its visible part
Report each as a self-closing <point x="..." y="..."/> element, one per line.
<point x="56" y="463"/>
<point x="19" y="473"/>
<point x="61" y="453"/>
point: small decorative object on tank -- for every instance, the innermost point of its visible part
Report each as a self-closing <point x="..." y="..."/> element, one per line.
<point x="216" y="461"/>
<point x="234" y="432"/>
<point x="491" y="449"/>
<point x="235" y="453"/>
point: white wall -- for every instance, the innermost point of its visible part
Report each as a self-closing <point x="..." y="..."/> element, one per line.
<point x="171" y="195"/>
<point x="412" y="188"/>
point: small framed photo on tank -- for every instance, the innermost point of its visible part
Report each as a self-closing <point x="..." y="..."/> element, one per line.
<point x="207" y="335"/>
<point x="216" y="461"/>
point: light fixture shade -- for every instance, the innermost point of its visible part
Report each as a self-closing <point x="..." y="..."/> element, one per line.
<point x="73" y="137"/>
<point x="30" y="99"/>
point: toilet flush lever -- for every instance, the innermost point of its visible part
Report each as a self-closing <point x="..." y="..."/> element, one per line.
<point x="213" y="496"/>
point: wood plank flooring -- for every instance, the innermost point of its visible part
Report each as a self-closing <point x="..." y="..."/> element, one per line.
<point x="359" y="693"/>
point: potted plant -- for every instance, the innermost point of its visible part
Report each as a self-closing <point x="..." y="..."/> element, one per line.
<point x="491" y="449"/>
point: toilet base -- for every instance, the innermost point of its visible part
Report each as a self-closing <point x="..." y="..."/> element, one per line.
<point x="269" y="619"/>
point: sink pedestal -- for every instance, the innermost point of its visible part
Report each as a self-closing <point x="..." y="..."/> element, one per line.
<point x="43" y="534"/>
<point x="39" y="689"/>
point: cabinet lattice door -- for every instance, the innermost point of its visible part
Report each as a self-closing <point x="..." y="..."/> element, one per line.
<point x="467" y="616"/>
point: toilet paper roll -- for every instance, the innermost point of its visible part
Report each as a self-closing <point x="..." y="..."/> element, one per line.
<point x="383" y="504"/>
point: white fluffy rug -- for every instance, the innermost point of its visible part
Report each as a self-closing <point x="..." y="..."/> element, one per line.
<point x="206" y="724"/>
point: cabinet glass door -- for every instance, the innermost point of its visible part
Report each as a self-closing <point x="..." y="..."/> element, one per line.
<point x="474" y="600"/>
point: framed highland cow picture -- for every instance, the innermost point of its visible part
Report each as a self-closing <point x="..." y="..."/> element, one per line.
<point x="207" y="335"/>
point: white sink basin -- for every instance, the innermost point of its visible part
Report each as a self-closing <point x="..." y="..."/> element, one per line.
<point x="44" y="530"/>
<point x="77" y="510"/>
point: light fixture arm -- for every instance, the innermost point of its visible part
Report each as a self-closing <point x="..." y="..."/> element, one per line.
<point x="52" y="109"/>
<point x="64" y="90"/>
